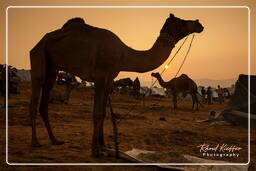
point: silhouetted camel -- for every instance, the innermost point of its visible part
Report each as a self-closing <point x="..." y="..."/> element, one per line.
<point x="123" y="86"/>
<point x="95" y="55"/>
<point x="182" y="84"/>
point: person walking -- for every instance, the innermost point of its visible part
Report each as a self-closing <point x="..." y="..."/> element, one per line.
<point x="220" y="94"/>
<point x="209" y="95"/>
<point x="203" y="93"/>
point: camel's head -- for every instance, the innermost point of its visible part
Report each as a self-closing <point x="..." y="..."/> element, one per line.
<point x="179" y="28"/>
<point x="155" y="74"/>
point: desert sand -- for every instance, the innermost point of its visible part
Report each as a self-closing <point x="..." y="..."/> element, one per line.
<point x="141" y="128"/>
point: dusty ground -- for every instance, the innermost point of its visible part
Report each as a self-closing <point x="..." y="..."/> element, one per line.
<point x="139" y="129"/>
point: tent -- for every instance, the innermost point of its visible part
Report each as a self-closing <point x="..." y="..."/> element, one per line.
<point x="145" y="91"/>
<point x="158" y="91"/>
<point x="155" y="91"/>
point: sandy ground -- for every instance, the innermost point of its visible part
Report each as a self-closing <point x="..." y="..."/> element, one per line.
<point x="141" y="128"/>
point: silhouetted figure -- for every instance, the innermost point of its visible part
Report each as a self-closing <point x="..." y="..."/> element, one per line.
<point x="220" y="94"/>
<point x="209" y="95"/>
<point x="13" y="81"/>
<point x="226" y="93"/>
<point x="136" y="87"/>
<point x="203" y="92"/>
<point x="65" y="78"/>
<point x="69" y="80"/>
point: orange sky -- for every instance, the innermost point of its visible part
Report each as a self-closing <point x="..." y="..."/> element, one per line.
<point x="219" y="52"/>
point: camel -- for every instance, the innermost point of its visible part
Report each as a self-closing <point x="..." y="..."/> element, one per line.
<point x="123" y="86"/>
<point x="123" y="82"/>
<point x="95" y="55"/>
<point x="182" y="84"/>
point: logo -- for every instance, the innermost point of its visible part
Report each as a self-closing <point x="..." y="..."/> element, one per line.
<point x="220" y="150"/>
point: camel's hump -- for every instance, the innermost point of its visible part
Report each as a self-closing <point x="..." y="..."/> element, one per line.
<point x="73" y="21"/>
<point x="184" y="75"/>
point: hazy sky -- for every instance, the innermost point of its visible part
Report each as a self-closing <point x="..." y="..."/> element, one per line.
<point x="219" y="52"/>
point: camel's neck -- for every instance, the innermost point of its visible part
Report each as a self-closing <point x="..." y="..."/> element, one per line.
<point x="148" y="60"/>
<point x="144" y="61"/>
<point x="161" y="81"/>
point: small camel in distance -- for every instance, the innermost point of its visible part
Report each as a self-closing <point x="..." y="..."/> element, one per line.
<point x="95" y="55"/>
<point x="182" y="84"/>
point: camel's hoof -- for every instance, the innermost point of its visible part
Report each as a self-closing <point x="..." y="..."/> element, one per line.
<point x="57" y="142"/>
<point x="36" y="144"/>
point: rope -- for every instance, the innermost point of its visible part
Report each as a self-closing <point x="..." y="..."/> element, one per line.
<point x="115" y="130"/>
<point x="179" y="67"/>
<point x="170" y="61"/>
<point x="185" y="56"/>
<point x="136" y="104"/>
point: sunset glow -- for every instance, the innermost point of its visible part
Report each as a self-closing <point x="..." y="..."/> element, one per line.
<point x="223" y="42"/>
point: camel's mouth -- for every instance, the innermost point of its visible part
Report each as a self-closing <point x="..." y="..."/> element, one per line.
<point x="199" y="29"/>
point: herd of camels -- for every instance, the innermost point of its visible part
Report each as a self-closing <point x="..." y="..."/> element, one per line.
<point x="95" y="55"/>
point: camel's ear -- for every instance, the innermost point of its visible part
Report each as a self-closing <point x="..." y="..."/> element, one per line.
<point x="171" y="16"/>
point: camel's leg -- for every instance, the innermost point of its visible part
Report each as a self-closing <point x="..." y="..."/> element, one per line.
<point x="99" y="96"/>
<point x="197" y="102"/>
<point x="107" y="92"/>
<point x="193" y="100"/>
<point x="101" y="138"/>
<point x="36" y="89"/>
<point x="43" y="109"/>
